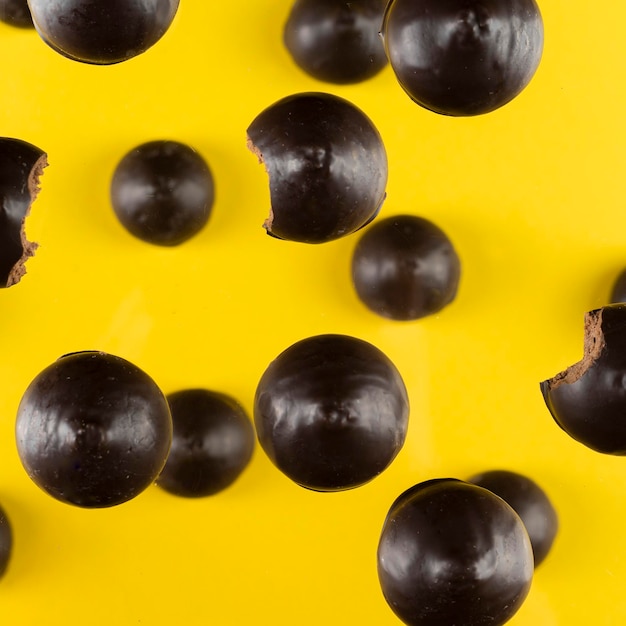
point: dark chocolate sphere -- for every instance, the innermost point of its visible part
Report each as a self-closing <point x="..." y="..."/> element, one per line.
<point x="93" y="430"/>
<point x="326" y="163"/>
<point x="331" y="412"/>
<point x="404" y="267"/>
<point x="588" y="399"/>
<point x="453" y="553"/>
<point x="618" y="291"/>
<point x="212" y="444"/>
<point x="463" y="57"/>
<point x="21" y="165"/>
<point x="530" y="502"/>
<point x="337" y="42"/>
<point x="16" y="13"/>
<point x="102" y="32"/>
<point x="163" y="192"/>
<point x="6" y="542"/>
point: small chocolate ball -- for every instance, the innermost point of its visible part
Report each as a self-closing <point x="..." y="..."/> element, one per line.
<point x="405" y="267"/>
<point x="336" y="42"/>
<point x="6" y="542"/>
<point x="212" y="444"/>
<point x="530" y="502"/>
<point x="163" y="192"/>
<point x="16" y="13"/>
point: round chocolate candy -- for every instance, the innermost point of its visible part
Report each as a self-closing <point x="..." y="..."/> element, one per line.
<point x="530" y="502"/>
<point x="336" y="42"/>
<point x="102" y="32"/>
<point x="21" y="165"/>
<point x="463" y="57"/>
<point x="163" y="192"/>
<point x="6" y="542"/>
<point x="588" y="399"/>
<point x="453" y="553"/>
<point x="16" y="13"/>
<point x="405" y="267"/>
<point x="331" y="412"/>
<point x="212" y="444"/>
<point x="93" y="430"/>
<point x="326" y="163"/>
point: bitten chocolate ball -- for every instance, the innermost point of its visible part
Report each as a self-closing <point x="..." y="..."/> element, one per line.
<point x="588" y="399"/>
<point x="405" y="267"/>
<point x="453" y="553"/>
<point x="163" y="192"/>
<point x="336" y="42"/>
<point x="16" y="13"/>
<point x="331" y="412"/>
<point x="326" y="163"/>
<point x="21" y="165"/>
<point x="463" y="57"/>
<point x="6" y="542"/>
<point x="212" y="444"/>
<point x="530" y="502"/>
<point x="102" y="32"/>
<point x="93" y="430"/>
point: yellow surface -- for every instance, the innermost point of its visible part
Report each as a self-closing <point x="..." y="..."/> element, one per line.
<point x="532" y="195"/>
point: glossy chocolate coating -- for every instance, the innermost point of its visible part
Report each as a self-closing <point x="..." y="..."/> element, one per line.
<point x="326" y="163"/>
<point x="463" y="57"/>
<point x="530" y="502"/>
<point x="102" y="32"/>
<point x="331" y="412"/>
<point x="93" y="430"/>
<point x="212" y="444"/>
<point x="6" y="542"/>
<point x="588" y="400"/>
<point x="336" y="42"/>
<point x="21" y="165"/>
<point x="453" y="553"/>
<point x="163" y="192"/>
<point x="16" y="13"/>
<point x="618" y="291"/>
<point x="404" y="267"/>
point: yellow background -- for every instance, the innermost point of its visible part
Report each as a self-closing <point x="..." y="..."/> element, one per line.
<point x="532" y="195"/>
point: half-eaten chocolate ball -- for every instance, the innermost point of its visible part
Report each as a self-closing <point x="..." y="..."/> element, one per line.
<point x="326" y="163"/>
<point x="21" y="165"/>
<point x="588" y="399"/>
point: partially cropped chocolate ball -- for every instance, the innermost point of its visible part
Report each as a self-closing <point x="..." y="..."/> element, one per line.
<point x="102" y="32"/>
<point x="336" y="42"/>
<point x="618" y="290"/>
<point x="162" y="192"/>
<point x="21" y="165"/>
<point x="93" y="430"/>
<point x="16" y="13"/>
<point x="530" y="502"/>
<point x="326" y="163"/>
<point x="405" y="267"/>
<point x="212" y="444"/>
<point x="588" y="399"/>
<point x="463" y="57"/>
<point x="6" y="542"/>
<point x="331" y="412"/>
